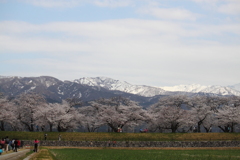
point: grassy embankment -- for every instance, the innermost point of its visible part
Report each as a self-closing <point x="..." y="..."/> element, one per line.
<point x="84" y="136"/>
<point x="123" y="154"/>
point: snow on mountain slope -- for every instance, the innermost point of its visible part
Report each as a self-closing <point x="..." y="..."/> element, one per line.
<point x="35" y="83"/>
<point x="149" y="91"/>
<point x="186" y="88"/>
<point x="236" y="87"/>
<point x="195" y="88"/>
<point x="123" y="86"/>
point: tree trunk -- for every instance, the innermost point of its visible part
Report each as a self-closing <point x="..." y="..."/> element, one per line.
<point x="60" y="129"/>
<point x="232" y="127"/>
<point x="43" y="128"/>
<point x="50" y="127"/>
<point x="199" y="127"/>
<point x="31" y="125"/>
<point x="2" y="126"/>
<point x="225" y="128"/>
<point x="114" y="129"/>
<point x="207" y="129"/>
<point x="174" y="128"/>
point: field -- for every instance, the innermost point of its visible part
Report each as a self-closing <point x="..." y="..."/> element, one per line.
<point x="123" y="154"/>
<point x="85" y="136"/>
<point x="57" y="153"/>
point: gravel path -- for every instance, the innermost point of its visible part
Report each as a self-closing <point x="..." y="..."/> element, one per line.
<point x="28" y="157"/>
<point x="14" y="155"/>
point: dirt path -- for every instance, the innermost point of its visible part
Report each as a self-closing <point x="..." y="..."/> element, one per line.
<point x="14" y="155"/>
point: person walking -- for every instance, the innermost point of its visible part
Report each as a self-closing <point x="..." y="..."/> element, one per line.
<point x="36" y="144"/>
<point x="59" y="137"/>
<point x="13" y="145"/>
<point x="10" y="145"/>
<point x="17" y="144"/>
<point x="45" y="136"/>
<point x="109" y="143"/>
<point x="6" y="144"/>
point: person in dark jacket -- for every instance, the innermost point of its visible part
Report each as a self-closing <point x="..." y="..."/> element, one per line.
<point x="17" y="144"/>
<point x="36" y="144"/>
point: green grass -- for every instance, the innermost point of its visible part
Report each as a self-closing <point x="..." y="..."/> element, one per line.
<point x="44" y="154"/>
<point x="27" y="154"/>
<point x="109" y="154"/>
<point x="85" y="136"/>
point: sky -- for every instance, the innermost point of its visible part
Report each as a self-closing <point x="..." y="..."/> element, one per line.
<point x="143" y="42"/>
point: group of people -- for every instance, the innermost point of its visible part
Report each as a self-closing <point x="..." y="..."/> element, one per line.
<point x="14" y="144"/>
<point x="119" y="130"/>
<point x="6" y="145"/>
<point x="113" y="143"/>
<point x="144" y="130"/>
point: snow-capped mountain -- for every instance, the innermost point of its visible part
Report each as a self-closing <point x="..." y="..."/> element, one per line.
<point x="196" y="88"/>
<point x="123" y="86"/>
<point x="149" y="91"/>
<point x="55" y="90"/>
<point x="102" y="87"/>
<point x="236" y="87"/>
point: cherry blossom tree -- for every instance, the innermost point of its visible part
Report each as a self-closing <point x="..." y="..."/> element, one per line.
<point x="173" y="118"/>
<point x="31" y="112"/>
<point x="228" y="116"/>
<point x="201" y="109"/>
<point x="209" y="122"/>
<point x="172" y="101"/>
<point x="67" y="117"/>
<point x="90" y="118"/>
<point x="118" y="112"/>
<point x="46" y="117"/>
<point x="6" y="112"/>
<point x="28" y="105"/>
<point x="3" y="113"/>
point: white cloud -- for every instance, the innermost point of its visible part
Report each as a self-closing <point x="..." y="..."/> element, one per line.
<point x="112" y="3"/>
<point x="147" y="49"/>
<point x="81" y="36"/>
<point x="54" y="3"/>
<point x="170" y="13"/>
<point x="230" y="8"/>
<point x="74" y="3"/>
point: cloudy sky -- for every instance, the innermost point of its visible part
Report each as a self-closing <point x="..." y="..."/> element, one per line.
<point x="150" y="42"/>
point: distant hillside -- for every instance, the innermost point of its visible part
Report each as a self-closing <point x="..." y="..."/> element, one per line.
<point x="88" y="89"/>
<point x="56" y="90"/>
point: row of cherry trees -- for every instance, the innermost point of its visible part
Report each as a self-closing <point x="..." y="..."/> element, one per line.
<point x="176" y="113"/>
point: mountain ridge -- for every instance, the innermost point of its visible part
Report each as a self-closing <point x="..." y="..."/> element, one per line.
<point x="149" y="91"/>
<point x="196" y="88"/>
<point x="55" y="90"/>
<point x="91" y="88"/>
